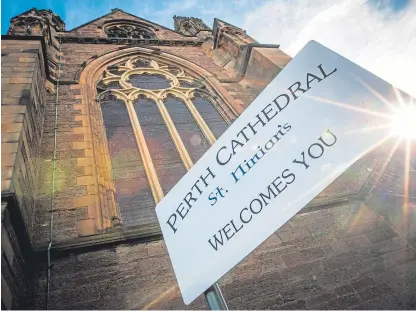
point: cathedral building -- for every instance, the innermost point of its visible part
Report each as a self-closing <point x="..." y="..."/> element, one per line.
<point x="99" y="123"/>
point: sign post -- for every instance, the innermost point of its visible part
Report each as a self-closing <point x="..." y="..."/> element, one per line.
<point x="214" y="298"/>
<point x="318" y="116"/>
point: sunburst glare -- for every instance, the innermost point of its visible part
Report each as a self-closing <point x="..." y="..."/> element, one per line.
<point x="403" y="122"/>
<point x="398" y="117"/>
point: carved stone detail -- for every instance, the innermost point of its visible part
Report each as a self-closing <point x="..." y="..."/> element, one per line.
<point x="35" y="22"/>
<point x="128" y="31"/>
<point x="223" y="31"/>
<point x="132" y="41"/>
<point x="189" y="26"/>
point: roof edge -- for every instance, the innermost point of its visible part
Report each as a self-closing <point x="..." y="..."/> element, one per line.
<point x="120" y="10"/>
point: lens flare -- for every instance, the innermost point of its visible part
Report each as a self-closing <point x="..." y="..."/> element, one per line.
<point x="403" y="122"/>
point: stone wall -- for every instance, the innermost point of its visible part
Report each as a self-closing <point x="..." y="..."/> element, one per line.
<point x="335" y="258"/>
<point x="22" y="112"/>
<point x="70" y="151"/>
<point x="392" y="192"/>
<point x="356" y="255"/>
<point x="23" y="107"/>
<point x="14" y="289"/>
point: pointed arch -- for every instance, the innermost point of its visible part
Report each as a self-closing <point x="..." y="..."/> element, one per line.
<point x="169" y="105"/>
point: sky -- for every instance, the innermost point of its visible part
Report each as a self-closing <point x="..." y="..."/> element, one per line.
<point x="379" y="35"/>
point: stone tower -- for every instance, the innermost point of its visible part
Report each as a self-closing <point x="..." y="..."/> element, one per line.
<point x="36" y="23"/>
<point x="189" y="26"/>
<point x="99" y="122"/>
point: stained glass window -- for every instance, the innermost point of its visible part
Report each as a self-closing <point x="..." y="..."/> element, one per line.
<point x="210" y="115"/>
<point x="192" y="136"/>
<point x="166" y="160"/>
<point x="150" y="117"/>
<point x="149" y="81"/>
<point x="132" y="187"/>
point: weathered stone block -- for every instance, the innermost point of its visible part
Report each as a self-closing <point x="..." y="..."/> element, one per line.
<point x="86" y="227"/>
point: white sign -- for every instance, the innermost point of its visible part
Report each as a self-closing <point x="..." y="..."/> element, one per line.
<point x="316" y="118"/>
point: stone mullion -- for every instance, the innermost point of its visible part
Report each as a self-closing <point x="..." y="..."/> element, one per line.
<point x="200" y="121"/>
<point x="91" y="125"/>
<point x="108" y="210"/>
<point x="183" y="153"/>
<point x="145" y="154"/>
<point x="106" y="167"/>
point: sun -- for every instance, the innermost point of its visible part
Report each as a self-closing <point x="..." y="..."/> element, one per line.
<point x="403" y="122"/>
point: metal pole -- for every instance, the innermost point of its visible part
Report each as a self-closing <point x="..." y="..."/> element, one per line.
<point x="215" y="298"/>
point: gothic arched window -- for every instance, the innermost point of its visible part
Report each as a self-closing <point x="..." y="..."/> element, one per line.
<point x="158" y="122"/>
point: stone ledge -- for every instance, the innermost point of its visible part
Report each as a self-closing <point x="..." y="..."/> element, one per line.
<point x="41" y="39"/>
<point x="129" y="41"/>
<point x="153" y="233"/>
<point x="86" y="227"/>
<point x="143" y="234"/>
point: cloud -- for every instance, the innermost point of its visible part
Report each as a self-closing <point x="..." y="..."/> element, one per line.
<point x="376" y="37"/>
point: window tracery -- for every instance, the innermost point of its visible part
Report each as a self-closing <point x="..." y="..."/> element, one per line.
<point x="29" y="26"/>
<point x="129" y="32"/>
<point x="164" y="120"/>
<point x="148" y="81"/>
